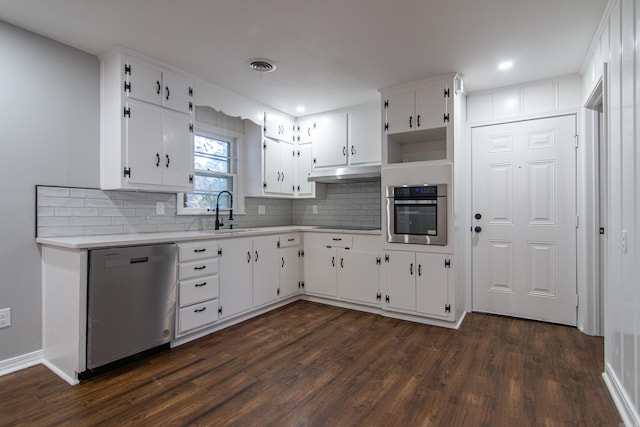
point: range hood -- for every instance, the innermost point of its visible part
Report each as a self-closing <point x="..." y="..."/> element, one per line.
<point x="345" y="174"/>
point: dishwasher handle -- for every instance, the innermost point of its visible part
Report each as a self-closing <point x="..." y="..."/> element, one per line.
<point x="139" y="260"/>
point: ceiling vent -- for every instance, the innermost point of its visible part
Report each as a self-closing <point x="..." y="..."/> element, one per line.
<point x="262" y="65"/>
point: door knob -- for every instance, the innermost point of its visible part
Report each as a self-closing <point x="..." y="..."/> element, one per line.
<point x="477" y="216"/>
<point x="477" y="229"/>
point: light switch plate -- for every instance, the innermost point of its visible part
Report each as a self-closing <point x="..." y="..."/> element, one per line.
<point x="5" y="317"/>
<point x="315" y="209"/>
<point x="159" y="208"/>
<point x="261" y="209"/>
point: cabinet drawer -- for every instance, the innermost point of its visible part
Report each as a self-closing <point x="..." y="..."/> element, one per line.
<point x="200" y="268"/>
<point x="197" y="315"/>
<point x="336" y="240"/>
<point x="197" y="250"/>
<point x="198" y="289"/>
<point x="292" y="239"/>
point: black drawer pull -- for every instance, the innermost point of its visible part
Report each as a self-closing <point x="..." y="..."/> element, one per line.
<point x="291" y="239"/>
<point x="200" y="268"/>
<point x="199" y="250"/>
<point x="337" y="239"/>
<point x="199" y="310"/>
<point x="199" y="285"/>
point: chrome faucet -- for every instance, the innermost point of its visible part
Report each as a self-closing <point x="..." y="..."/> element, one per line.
<point x="219" y="222"/>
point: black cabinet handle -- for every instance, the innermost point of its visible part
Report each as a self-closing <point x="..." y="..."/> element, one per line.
<point x="256" y="256"/>
<point x="353" y="150"/>
<point x="418" y="120"/>
<point x="158" y="87"/>
<point x="411" y="269"/>
<point x="290" y="239"/>
<point x="419" y="269"/>
<point x="337" y="239"/>
<point x="282" y="262"/>
<point x="167" y="89"/>
<point x="200" y="268"/>
<point x="199" y="285"/>
<point x="333" y="261"/>
<point x="199" y="250"/>
<point x="341" y="262"/>
<point x="199" y="310"/>
<point x="157" y="159"/>
<point x="344" y="150"/>
<point x="168" y="160"/>
<point x="410" y="121"/>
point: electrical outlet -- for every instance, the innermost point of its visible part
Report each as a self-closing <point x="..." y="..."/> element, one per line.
<point x="159" y="208"/>
<point x="315" y="209"/>
<point x="5" y="317"/>
<point x="261" y="210"/>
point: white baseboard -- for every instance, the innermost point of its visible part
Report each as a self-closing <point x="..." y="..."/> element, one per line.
<point x="620" y="398"/>
<point x="20" y="362"/>
<point x="60" y="373"/>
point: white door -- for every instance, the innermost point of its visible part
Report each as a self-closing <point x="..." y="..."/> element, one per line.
<point x="364" y="135"/>
<point x="358" y="275"/>
<point x="236" y="276"/>
<point x="271" y="165"/>
<point x="177" y="150"/>
<point x="144" y="144"/>
<point x="176" y="92"/>
<point x="266" y="270"/>
<point x="287" y="168"/>
<point x="304" y="164"/>
<point x="431" y="105"/>
<point x="432" y="285"/>
<point x="289" y="271"/>
<point x="524" y="249"/>
<point x="320" y="271"/>
<point x="400" y="109"/>
<point x="144" y="81"/>
<point x="400" y="279"/>
<point x="330" y="140"/>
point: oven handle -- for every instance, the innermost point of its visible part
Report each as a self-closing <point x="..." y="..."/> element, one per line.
<point x="415" y="202"/>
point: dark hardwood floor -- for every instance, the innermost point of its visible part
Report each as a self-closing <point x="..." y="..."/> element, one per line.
<point x="313" y="365"/>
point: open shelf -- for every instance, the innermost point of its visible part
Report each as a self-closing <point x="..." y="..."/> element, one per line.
<point x="417" y="146"/>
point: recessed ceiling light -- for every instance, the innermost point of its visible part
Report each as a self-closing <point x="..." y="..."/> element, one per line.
<point x="300" y="108"/>
<point x="506" y="65"/>
<point x="262" y="65"/>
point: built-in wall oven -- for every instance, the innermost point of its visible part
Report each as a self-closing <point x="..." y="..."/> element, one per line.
<point x="417" y="214"/>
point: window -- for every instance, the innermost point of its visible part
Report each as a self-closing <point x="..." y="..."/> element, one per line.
<point x="214" y="161"/>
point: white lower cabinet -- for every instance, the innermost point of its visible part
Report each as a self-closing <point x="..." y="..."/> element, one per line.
<point x="266" y="270"/>
<point x="236" y="276"/>
<point x="418" y="283"/>
<point x="290" y="253"/>
<point x="198" y="286"/>
<point x="342" y="266"/>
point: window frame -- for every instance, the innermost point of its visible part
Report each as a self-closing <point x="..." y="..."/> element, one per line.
<point x="235" y="140"/>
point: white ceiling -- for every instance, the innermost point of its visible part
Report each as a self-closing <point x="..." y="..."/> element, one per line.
<point x="330" y="53"/>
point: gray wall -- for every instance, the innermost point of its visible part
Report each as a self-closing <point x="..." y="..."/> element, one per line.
<point x="50" y="134"/>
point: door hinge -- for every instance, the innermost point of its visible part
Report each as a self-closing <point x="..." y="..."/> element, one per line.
<point x="577" y="300"/>
<point x="577" y="141"/>
<point x="386" y="257"/>
<point x="387" y="299"/>
<point x="447" y="93"/>
<point x="190" y="91"/>
<point x="386" y="126"/>
<point x="447" y="263"/>
<point x="577" y="221"/>
<point x="190" y="179"/>
<point x="446" y="118"/>
<point x="379" y="296"/>
<point x="191" y="127"/>
<point x="127" y="87"/>
<point x="447" y="308"/>
<point x="314" y="160"/>
<point x="127" y="172"/>
<point x="127" y="69"/>
<point x="127" y="112"/>
<point x="386" y="104"/>
<point x="601" y="230"/>
<point x="378" y="260"/>
<point x="278" y="292"/>
<point x="219" y="251"/>
<point x="264" y="184"/>
<point x="264" y="146"/>
<point x="190" y="106"/>
<point x="302" y="284"/>
<point x="220" y="310"/>
<point x="278" y="244"/>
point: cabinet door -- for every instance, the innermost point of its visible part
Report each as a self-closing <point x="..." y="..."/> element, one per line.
<point x="271" y="167"/>
<point x="430" y="107"/>
<point x="365" y="136"/>
<point x="177" y="150"/>
<point x="400" y="278"/>
<point x="289" y="271"/>
<point x="307" y="129"/>
<point x="400" y="112"/>
<point x="330" y="141"/>
<point x="272" y="126"/>
<point x="266" y="270"/>
<point x="320" y="271"/>
<point x="144" y="81"/>
<point x="358" y="275"/>
<point x="144" y="143"/>
<point x="236" y="276"/>
<point x="304" y="164"/>
<point x="288" y="130"/>
<point x="177" y="92"/>
<point x="432" y="285"/>
<point x="287" y="168"/>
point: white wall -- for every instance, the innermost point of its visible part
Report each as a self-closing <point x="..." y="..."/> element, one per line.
<point x="617" y="44"/>
<point x="49" y="133"/>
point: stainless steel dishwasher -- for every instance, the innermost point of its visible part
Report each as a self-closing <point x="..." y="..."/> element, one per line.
<point x="131" y="302"/>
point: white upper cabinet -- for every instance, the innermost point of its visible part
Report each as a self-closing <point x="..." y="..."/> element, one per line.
<point x="304" y="164"/>
<point x="279" y="167"/>
<point x="423" y="108"/>
<point x="364" y="135"/>
<point x="330" y="140"/>
<point x="306" y="129"/>
<point x="146" y="132"/>
<point x="280" y="127"/>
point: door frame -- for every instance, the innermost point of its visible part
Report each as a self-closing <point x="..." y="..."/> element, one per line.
<point x="584" y="312"/>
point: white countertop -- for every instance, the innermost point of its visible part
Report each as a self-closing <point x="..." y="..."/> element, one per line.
<point x="104" y="241"/>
